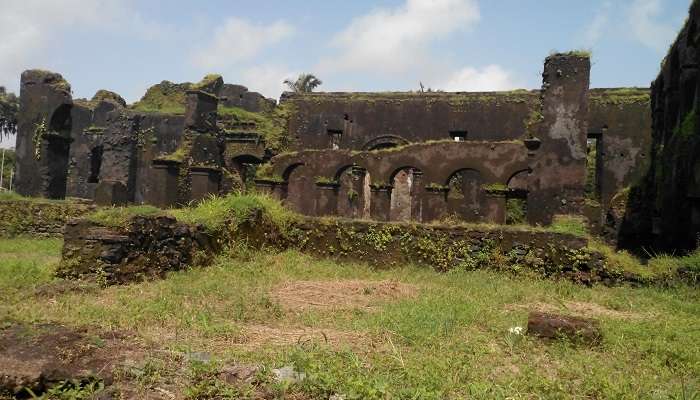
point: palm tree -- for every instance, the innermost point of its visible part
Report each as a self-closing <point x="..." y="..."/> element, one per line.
<point x="305" y="83"/>
<point x="9" y="107"/>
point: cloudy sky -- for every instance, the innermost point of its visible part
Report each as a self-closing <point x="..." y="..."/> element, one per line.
<point x="128" y="45"/>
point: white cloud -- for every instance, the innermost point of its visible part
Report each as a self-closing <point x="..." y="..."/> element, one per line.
<point x="594" y="31"/>
<point x="240" y="40"/>
<point x="267" y="79"/>
<point x="642" y="17"/>
<point x="29" y="27"/>
<point x="390" y="40"/>
<point x="469" y="79"/>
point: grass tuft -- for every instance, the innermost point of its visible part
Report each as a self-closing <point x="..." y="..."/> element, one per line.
<point x="120" y="216"/>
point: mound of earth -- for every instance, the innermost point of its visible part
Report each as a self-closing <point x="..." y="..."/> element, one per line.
<point x="336" y="295"/>
<point x="37" y="357"/>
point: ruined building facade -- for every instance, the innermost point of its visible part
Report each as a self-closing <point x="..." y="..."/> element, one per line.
<point x="498" y="157"/>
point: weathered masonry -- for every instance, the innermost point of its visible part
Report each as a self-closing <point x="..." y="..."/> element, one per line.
<point x="469" y="156"/>
<point x="499" y="157"/>
<point x="664" y="208"/>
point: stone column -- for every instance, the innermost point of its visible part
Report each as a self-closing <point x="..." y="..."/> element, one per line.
<point x="326" y="198"/>
<point x="380" y="204"/>
<point x="434" y="203"/>
<point x="559" y="165"/>
<point x="204" y="182"/>
<point x="164" y="181"/>
<point x="495" y="207"/>
<point x="417" y="194"/>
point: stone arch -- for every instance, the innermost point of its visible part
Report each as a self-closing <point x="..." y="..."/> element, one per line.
<point x="384" y="142"/>
<point x="353" y="191"/>
<point x="406" y="193"/>
<point x="242" y="169"/>
<point x="300" y="188"/>
<point x="57" y="151"/>
<point x="516" y="198"/>
<point x="465" y="195"/>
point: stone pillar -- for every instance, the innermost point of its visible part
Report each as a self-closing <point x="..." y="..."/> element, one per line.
<point x="495" y="207"/>
<point x="434" y="203"/>
<point x="380" y="204"/>
<point x="559" y="165"/>
<point x="359" y="175"/>
<point x="204" y="182"/>
<point x="417" y="194"/>
<point x="200" y="111"/>
<point x="326" y="198"/>
<point x="164" y="181"/>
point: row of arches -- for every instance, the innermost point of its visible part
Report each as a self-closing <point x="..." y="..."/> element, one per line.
<point x="406" y="197"/>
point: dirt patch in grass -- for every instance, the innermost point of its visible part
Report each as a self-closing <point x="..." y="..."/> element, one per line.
<point x="260" y="335"/>
<point x="576" y="308"/>
<point x="340" y="295"/>
<point x="40" y="356"/>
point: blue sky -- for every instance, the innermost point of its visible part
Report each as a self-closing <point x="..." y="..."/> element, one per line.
<point x="128" y="45"/>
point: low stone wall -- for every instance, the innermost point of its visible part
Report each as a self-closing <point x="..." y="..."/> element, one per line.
<point x="152" y="246"/>
<point x="39" y="217"/>
<point x="148" y="247"/>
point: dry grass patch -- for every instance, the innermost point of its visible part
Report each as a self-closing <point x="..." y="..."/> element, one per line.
<point x="577" y="308"/>
<point x="340" y="295"/>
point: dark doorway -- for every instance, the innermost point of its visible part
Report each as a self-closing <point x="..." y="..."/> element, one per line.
<point x="594" y="153"/>
<point x="57" y="166"/>
<point x="95" y="164"/>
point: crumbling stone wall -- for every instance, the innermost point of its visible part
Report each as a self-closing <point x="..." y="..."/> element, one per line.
<point x="531" y="143"/>
<point x="39" y="218"/>
<point x="180" y="143"/>
<point x="664" y="208"/>
<point x="151" y="246"/>
<point x="148" y="247"/>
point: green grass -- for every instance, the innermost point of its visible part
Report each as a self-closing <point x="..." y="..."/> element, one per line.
<point x="571" y="224"/>
<point x="120" y="216"/>
<point x="448" y="341"/>
<point x="216" y="212"/>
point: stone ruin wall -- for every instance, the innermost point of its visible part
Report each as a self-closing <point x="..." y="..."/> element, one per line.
<point x="663" y="209"/>
<point x="618" y="120"/>
<point x="105" y="150"/>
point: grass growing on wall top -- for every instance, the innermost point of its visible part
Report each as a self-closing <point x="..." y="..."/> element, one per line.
<point x="216" y="212"/>
<point x="271" y="124"/>
<point x="120" y="216"/>
<point x="571" y="224"/>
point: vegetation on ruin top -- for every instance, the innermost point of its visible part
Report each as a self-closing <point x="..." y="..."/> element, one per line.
<point x="165" y="97"/>
<point x="120" y="216"/>
<point x="424" y="334"/>
<point x="271" y="123"/>
<point x="452" y="98"/>
<point x="583" y="53"/>
<point x="620" y="96"/>
<point x="217" y="213"/>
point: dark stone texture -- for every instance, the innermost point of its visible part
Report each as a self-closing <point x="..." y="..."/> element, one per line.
<point x="554" y="326"/>
<point x="146" y="248"/>
<point x="39" y="218"/>
<point x="111" y="193"/>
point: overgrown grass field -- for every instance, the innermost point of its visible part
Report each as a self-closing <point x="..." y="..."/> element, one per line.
<point x="440" y="336"/>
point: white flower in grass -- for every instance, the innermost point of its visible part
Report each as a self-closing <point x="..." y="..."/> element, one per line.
<point x="516" y="330"/>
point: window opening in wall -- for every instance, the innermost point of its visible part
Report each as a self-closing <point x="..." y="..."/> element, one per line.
<point x="593" y="166"/>
<point x="458" y="136"/>
<point x="335" y="135"/>
<point x="95" y="164"/>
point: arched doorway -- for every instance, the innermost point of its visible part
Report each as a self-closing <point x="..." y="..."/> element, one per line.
<point x="405" y="199"/>
<point x="465" y="195"/>
<point x="57" y="145"/>
<point x="516" y="198"/>
<point x="353" y="192"/>
<point x="242" y="169"/>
